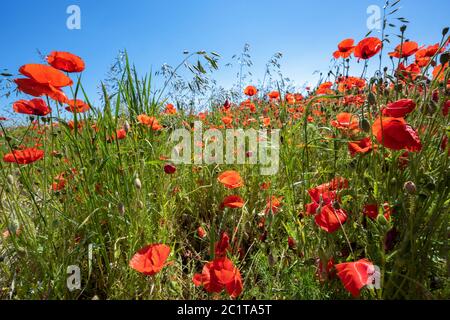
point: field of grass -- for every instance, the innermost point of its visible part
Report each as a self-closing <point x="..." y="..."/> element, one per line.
<point x="105" y="187"/>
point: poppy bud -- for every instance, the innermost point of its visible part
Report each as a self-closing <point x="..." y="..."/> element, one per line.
<point x="410" y="187"/>
<point x="403" y="28"/>
<point x="121" y="208"/>
<point x="140" y="204"/>
<point x="137" y="183"/>
<point x="10" y="179"/>
<point x="291" y="243"/>
<point x="170" y="168"/>
<point x="445" y="57"/>
<point x="201" y="232"/>
<point x="444" y="31"/>
<point x="435" y="96"/>
<point x="263" y="237"/>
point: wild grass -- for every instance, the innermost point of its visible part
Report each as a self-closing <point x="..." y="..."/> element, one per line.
<point x="101" y="218"/>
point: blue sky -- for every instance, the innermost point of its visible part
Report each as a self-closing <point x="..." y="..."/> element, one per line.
<point x="157" y="32"/>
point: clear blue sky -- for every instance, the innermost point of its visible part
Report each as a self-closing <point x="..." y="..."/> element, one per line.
<point x="157" y="32"/>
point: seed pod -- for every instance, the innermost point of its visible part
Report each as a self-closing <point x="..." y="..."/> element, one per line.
<point x="10" y="179"/>
<point x="445" y="57"/>
<point x="410" y="187"/>
<point x="138" y="183"/>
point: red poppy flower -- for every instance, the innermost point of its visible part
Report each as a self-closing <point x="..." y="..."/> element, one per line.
<point x="421" y="58"/>
<point x="346" y="121"/>
<point x="65" y="61"/>
<point x="368" y="47"/>
<point x="228" y="276"/>
<point x="325" y="271"/>
<point x="207" y="279"/>
<point x="250" y="91"/>
<point x="170" y="109"/>
<point x="36" y="107"/>
<point x="218" y="275"/>
<point x="290" y="98"/>
<point x="349" y="83"/>
<point x="325" y="194"/>
<point x="119" y="135"/>
<point x="266" y="121"/>
<point x="232" y="202"/>
<point x="265" y="186"/>
<point x="396" y="134"/>
<point x="345" y="49"/>
<point x="371" y="211"/>
<point x="330" y="219"/>
<point x="36" y="89"/>
<point x="170" y="168"/>
<point x="71" y="124"/>
<point x="227" y="120"/>
<point x="25" y="156"/>
<point x="222" y="246"/>
<point x="273" y="204"/>
<point x="404" y="50"/>
<point x="60" y="183"/>
<point x="274" y="95"/>
<point x="439" y="72"/>
<point x="201" y="232"/>
<point x="150" y="259"/>
<point x="400" y="108"/>
<point x="445" y="108"/>
<point x="291" y="243"/>
<point x="355" y="275"/>
<point x="46" y="75"/>
<point x="231" y="179"/>
<point x="325" y="88"/>
<point x="150" y="122"/>
<point x="410" y="72"/>
<point x="77" y="106"/>
<point x="362" y="146"/>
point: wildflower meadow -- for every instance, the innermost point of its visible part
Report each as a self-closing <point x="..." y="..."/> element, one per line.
<point x="336" y="191"/>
